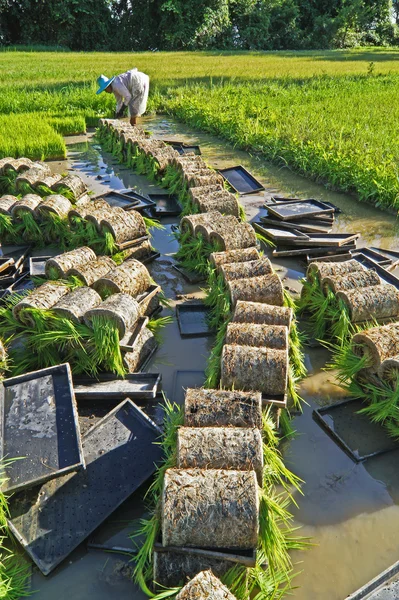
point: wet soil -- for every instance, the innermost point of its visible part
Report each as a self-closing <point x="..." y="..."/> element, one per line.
<point x="350" y="510"/>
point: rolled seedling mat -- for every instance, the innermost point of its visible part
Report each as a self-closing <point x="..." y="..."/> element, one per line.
<point x="69" y="260"/>
<point x="144" y="346"/>
<point x="224" y="202"/>
<point x="82" y="209"/>
<point x="27" y="203"/>
<point x="73" y="183"/>
<point x="266" y="314"/>
<point x="374" y="302"/>
<point x="92" y="270"/>
<point x="139" y="252"/>
<point x="48" y="180"/>
<point x="249" y="368"/>
<point x="320" y="270"/>
<point x="267" y="289"/>
<point x="122" y="309"/>
<point x="389" y="369"/>
<point x="125" y="227"/>
<point x="259" y="336"/>
<point x="22" y="164"/>
<point x="237" y="448"/>
<point x="241" y="236"/>
<point x="196" y="194"/>
<point x="205" y="586"/>
<point x="111" y="213"/>
<point x="201" y="180"/>
<point x="223" y="224"/>
<point x="6" y="164"/>
<point x="217" y="259"/>
<point x="43" y="297"/>
<point x="350" y="281"/>
<point x="6" y="204"/>
<point x="191" y="222"/>
<point x="73" y="306"/>
<point x="32" y="175"/>
<point x="210" y="508"/>
<point x="55" y="204"/>
<point x="174" y="566"/>
<point x="222" y="408"/>
<point x="378" y="344"/>
<point x="131" y="277"/>
<point x="244" y="270"/>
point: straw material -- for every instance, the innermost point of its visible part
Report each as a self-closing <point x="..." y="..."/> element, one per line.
<point x="256" y="312"/>
<point x="82" y="209"/>
<point x="73" y="306"/>
<point x="33" y="175"/>
<point x="48" y="180"/>
<point x="131" y="277"/>
<point x="222" y="408"/>
<point x="196" y="194"/>
<point x="74" y="259"/>
<point x="173" y="568"/>
<point x="6" y="204"/>
<point x="378" y="344"/>
<point x="320" y="270"/>
<point x="223" y="201"/>
<point x="233" y="256"/>
<point x="242" y="236"/>
<point x="350" y="281"/>
<point x="205" y="586"/>
<point x="99" y="214"/>
<point x="201" y="180"/>
<point x="225" y="225"/>
<point x="6" y="164"/>
<point x="73" y="183"/>
<point x="122" y="309"/>
<point x="27" y="203"/>
<point x="44" y="297"/>
<point x="260" y="336"/>
<point x="144" y="346"/>
<point x="243" y="270"/>
<point x="375" y="302"/>
<point x="191" y="222"/>
<point x="56" y="204"/>
<point x="125" y="226"/>
<point x="192" y="161"/>
<point x="266" y="288"/>
<point x="235" y="448"/>
<point x="139" y="252"/>
<point x="210" y="508"/>
<point x="22" y="164"/>
<point x="248" y="368"/>
<point x="92" y="270"/>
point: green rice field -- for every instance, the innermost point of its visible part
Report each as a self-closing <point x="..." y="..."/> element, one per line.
<point x="332" y="116"/>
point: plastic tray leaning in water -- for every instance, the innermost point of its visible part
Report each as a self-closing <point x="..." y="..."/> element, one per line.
<point x="192" y="319"/>
<point x="241" y="180"/>
<point x="166" y="205"/>
<point x="37" y="265"/>
<point x="109" y="387"/>
<point x="299" y="210"/>
<point x="120" y="455"/>
<point x="357" y="435"/>
<point x="39" y="427"/>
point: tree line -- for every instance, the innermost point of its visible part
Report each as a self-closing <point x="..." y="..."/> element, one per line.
<point x="196" y="24"/>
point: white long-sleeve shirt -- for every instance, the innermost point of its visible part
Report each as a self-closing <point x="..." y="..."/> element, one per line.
<point x="131" y="88"/>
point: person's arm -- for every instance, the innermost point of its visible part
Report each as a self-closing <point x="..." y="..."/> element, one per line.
<point x="122" y="94"/>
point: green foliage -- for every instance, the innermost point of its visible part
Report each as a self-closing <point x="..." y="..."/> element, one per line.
<point x="29" y="135"/>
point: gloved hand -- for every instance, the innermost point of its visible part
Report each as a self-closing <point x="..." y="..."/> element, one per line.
<point x="121" y="112"/>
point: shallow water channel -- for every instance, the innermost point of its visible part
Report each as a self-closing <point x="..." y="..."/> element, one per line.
<point x="349" y="509"/>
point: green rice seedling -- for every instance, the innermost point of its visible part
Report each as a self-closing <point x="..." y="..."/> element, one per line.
<point x="43" y="190"/>
<point x="27" y="229"/>
<point x="193" y="253"/>
<point x="292" y="388"/>
<point x="264" y="240"/>
<point x="66" y="192"/>
<point x="6" y="227"/>
<point x="157" y="325"/>
<point x="106" y="340"/>
<point x="55" y="229"/>
<point x="213" y="368"/>
<point x="285" y="425"/>
<point x="152" y="223"/>
<point x="7" y="182"/>
<point x="242" y="215"/>
<point x="25" y="188"/>
<point x="296" y="355"/>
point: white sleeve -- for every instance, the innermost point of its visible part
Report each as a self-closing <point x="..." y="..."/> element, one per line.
<point x="121" y="93"/>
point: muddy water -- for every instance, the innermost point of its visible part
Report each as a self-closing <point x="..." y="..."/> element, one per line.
<point x="350" y="510"/>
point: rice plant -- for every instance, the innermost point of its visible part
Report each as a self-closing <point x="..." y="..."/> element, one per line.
<point x="106" y="339"/>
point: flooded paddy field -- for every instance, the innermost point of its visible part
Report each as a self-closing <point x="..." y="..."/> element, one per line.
<point x="349" y="509"/>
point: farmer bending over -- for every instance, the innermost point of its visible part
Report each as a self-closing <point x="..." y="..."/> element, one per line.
<point x="130" y="90"/>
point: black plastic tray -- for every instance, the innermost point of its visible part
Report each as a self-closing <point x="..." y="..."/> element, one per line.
<point x="299" y="226"/>
<point x="120" y="454"/>
<point x="183" y="148"/>
<point x="37" y="265"/>
<point x="308" y="252"/>
<point x="108" y="387"/>
<point x="166" y="205"/>
<point x="383" y="273"/>
<point x="190" y="276"/>
<point x="192" y="319"/>
<point x="280" y="234"/>
<point x="128" y="341"/>
<point x="140" y="202"/>
<point x="360" y="437"/>
<point x="241" y="180"/>
<point x="115" y="198"/>
<point x="291" y="211"/>
<point x="39" y="426"/>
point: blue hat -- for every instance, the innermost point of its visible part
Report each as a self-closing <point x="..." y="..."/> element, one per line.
<point x="103" y="83"/>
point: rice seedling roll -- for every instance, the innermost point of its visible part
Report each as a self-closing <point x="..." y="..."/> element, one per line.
<point x="222" y="408"/>
<point x="139" y="252"/>
<point x="217" y="259"/>
<point x="350" y="281"/>
<point x="27" y="204"/>
<point x="85" y="208"/>
<point x="223" y="201"/>
<point x="222" y="224"/>
<point x="191" y="222"/>
<point x="99" y="214"/>
<point x="241" y="236"/>
<point x="378" y="344"/>
<point x="22" y="164"/>
<point x="195" y="194"/>
<point x="201" y="179"/>
<point x="237" y="448"/>
<point x="205" y="586"/>
<point x="260" y="336"/>
<point x="47" y="181"/>
<point x="243" y="270"/>
<point x="374" y="302"/>
<point x="6" y="204"/>
<point x="173" y="567"/>
<point x="210" y="508"/>
<point x="320" y="270"/>
<point x="124" y="226"/>
<point x="121" y="309"/>
<point x="6" y="164"/>
<point x="32" y="175"/>
<point x="249" y="368"/>
<point x="55" y="204"/>
<point x="265" y="288"/>
<point x="257" y="312"/>
<point x="389" y="369"/>
<point x="43" y="297"/>
<point x="144" y="346"/>
<point x="58" y="266"/>
<point x="72" y="184"/>
<point x="74" y="305"/>
<point x="131" y="277"/>
<point x="92" y="270"/>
